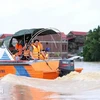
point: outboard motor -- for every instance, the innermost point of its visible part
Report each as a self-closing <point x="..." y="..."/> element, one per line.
<point x="65" y="67"/>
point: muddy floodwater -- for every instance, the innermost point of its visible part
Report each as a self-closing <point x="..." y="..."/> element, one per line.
<point x="74" y="86"/>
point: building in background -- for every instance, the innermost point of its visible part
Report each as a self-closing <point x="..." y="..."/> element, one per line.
<point x="61" y="45"/>
<point x="4" y="36"/>
<point x="72" y="43"/>
<point x="57" y="44"/>
<point x="76" y="41"/>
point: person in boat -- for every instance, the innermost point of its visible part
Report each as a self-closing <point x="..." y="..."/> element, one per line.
<point x="26" y="53"/>
<point x="25" y="44"/>
<point x="35" y="49"/>
<point x="47" y="47"/>
<point x="15" y="55"/>
<point x="19" y="47"/>
<point x="44" y="55"/>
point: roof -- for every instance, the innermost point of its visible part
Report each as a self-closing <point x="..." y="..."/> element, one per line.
<point x="69" y="38"/>
<point x="5" y="35"/>
<point x="63" y="35"/>
<point x="38" y="31"/>
<point x="78" y="33"/>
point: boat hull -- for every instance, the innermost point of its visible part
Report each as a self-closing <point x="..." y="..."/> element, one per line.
<point x="46" y="69"/>
<point x="38" y="69"/>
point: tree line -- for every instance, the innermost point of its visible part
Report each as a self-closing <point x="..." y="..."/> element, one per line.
<point x="91" y="49"/>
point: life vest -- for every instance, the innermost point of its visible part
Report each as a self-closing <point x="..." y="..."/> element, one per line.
<point x="26" y="53"/>
<point x="42" y="57"/>
<point x="36" y="51"/>
<point x="19" y="48"/>
<point x="46" y="56"/>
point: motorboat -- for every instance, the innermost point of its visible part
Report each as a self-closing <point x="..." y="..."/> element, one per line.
<point x="46" y="69"/>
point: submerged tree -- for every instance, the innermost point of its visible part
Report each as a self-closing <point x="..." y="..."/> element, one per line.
<point x="91" y="50"/>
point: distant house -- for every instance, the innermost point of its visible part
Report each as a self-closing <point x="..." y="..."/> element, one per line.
<point x="76" y="41"/>
<point x="4" y="36"/>
<point x="56" y="42"/>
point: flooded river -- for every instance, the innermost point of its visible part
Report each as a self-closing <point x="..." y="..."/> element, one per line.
<point x="74" y="86"/>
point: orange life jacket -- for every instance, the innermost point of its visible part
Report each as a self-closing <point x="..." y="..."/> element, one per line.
<point x="42" y="57"/>
<point x="47" y="56"/>
<point x="26" y="53"/>
<point x="19" y="48"/>
<point x="36" y="51"/>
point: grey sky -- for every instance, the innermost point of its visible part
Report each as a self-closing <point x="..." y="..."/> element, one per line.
<point x="65" y="15"/>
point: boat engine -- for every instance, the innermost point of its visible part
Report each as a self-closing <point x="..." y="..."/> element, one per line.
<point x="65" y="67"/>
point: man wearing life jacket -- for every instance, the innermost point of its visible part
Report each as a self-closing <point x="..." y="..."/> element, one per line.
<point x="35" y="49"/>
<point x="19" y="47"/>
<point x="26" y="51"/>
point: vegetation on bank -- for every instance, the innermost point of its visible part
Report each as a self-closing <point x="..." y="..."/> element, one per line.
<point x="91" y="50"/>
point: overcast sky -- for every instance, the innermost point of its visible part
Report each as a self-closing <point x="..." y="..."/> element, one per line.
<point x="65" y="15"/>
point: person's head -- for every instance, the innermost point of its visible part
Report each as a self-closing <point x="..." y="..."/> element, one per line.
<point x="46" y="43"/>
<point x="19" y="41"/>
<point x="36" y="42"/>
<point x="26" y="41"/>
<point x="47" y="49"/>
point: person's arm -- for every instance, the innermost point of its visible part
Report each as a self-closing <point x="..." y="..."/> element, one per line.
<point x="25" y="46"/>
<point x="47" y="56"/>
<point x="43" y="54"/>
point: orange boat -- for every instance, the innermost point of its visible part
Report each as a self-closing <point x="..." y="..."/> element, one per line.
<point x="47" y="69"/>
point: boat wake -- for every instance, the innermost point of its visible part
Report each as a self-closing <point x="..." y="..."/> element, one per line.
<point x="87" y="76"/>
<point x="73" y="85"/>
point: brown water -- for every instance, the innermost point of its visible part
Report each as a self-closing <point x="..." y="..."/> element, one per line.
<point x="74" y="86"/>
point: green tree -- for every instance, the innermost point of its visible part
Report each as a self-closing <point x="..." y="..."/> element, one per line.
<point x="91" y="50"/>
